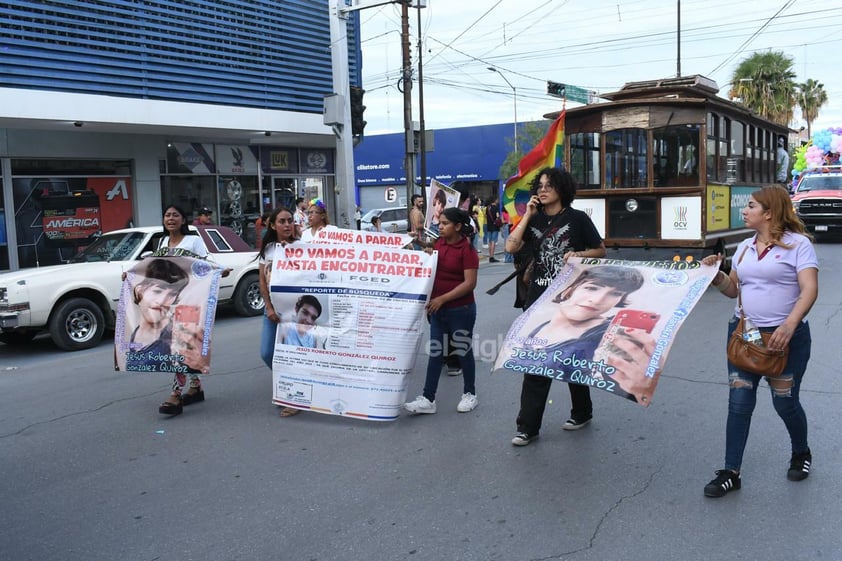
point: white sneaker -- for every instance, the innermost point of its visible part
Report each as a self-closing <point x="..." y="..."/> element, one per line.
<point x="468" y="402"/>
<point x="456" y="371"/>
<point x="420" y="405"/>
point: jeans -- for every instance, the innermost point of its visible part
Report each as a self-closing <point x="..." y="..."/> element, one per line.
<point x="742" y="398"/>
<point x="456" y="324"/>
<point x="267" y="340"/>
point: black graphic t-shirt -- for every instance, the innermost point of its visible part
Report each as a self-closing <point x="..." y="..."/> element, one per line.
<point x="572" y="230"/>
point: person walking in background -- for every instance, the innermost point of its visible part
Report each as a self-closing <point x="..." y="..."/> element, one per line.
<point x="204" y="218"/>
<point x="317" y="219"/>
<point x="302" y="221"/>
<point x="452" y="311"/>
<point x="551" y="231"/>
<point x="259" y="225"/>
<point x="782" y="172"/>
<point x="775" y="274"/>
<point x="504" y="232"/>
<point x="416" y="220"/>
<point x="493" y="223"/>
<point x="280" y="232"/>
<point x="358" y="217"/>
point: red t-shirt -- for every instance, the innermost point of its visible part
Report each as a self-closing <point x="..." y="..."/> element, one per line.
<point x="453" y="260"/>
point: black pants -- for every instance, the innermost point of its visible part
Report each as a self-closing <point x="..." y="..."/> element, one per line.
<point x="533" y="400"/>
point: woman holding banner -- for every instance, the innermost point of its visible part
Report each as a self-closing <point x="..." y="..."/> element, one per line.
<point x="452" y="311"/>
<point x="319" y="220"/>
<point x="177" y="236"/>
<point x="775" y="274"/>
<point x="280" y="232"/>
<point x="549" y="232"/>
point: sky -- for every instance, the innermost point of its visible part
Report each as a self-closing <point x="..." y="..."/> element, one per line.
<point x="594" y="44"/>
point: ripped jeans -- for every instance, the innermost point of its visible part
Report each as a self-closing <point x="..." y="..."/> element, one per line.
<point x="785" y="389"/>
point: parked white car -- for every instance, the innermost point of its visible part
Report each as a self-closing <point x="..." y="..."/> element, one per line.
<point x="77" y="301"/>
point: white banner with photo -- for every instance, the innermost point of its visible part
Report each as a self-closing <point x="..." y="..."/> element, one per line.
<point x="606" y="323"/>
<point x="352" y="317"/>
<point x="165" y="315"/>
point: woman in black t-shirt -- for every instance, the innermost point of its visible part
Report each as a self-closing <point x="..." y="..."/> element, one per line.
<point x="550" y="232"/>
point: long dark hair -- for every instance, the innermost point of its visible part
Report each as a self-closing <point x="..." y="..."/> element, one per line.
<point x="184" y="230"/>
<point x="271" y="235"/>
<point x="461" y="217"/>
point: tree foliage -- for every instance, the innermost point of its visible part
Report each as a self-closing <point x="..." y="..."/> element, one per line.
<point x="765" y="83"/>
<point x="529" y="134"/>
<point x="811" y="97"/>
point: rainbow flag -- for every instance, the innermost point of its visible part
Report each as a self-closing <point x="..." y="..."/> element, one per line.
<point x="547" y="153"/>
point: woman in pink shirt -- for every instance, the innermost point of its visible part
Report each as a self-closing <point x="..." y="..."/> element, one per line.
<point x="777" y="273"/>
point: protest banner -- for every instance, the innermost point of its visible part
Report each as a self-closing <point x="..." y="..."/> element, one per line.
<point x="606" y="323"/>
<point x="342" y="235"/>
<point x="352" y="317"/>
<point x="165" y="315"/>
<point x="439" y="197"/>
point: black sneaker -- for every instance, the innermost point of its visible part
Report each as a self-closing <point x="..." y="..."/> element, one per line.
<point x="523" y="439"/>
<point x="575" y="424"/>
<point x="799" y="466"/>
<point x="726" y="480"/>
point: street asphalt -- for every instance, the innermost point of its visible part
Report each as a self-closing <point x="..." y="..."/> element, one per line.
<point x="90" y="470"/>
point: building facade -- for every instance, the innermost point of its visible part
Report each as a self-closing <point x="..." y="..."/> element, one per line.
<point x="466" y="158"/>
<point x="110" y="110"/>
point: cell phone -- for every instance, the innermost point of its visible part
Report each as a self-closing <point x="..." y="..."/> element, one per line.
<point x="185" y="327"/>
<point x="631" y="319"/>
<point x="636" y="319"/>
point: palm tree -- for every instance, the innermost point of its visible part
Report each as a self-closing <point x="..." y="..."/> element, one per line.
<point x="811" y="97"/>
<point x="765" y="83"/>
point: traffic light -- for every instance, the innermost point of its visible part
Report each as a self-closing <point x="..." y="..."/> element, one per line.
<point x="555" y="89"/>
<point x="357" y="109"/>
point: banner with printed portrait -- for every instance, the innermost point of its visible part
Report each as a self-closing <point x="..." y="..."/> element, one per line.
<point x="606" y="323"/>
<point x="351" y="321"/>
<point x="165" y="316"/>
<point x="439" y="197"/>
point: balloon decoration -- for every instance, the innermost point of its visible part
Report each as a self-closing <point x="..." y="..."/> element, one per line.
<point x="823" y="149"/>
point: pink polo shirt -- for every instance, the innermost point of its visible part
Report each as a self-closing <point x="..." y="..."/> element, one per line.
<point x="769" y="286"/>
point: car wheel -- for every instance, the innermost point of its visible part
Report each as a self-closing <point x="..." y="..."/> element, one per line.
<point x="17" y="337"/>
<point x="77" y="324"/>
<point x="247" y="298"/>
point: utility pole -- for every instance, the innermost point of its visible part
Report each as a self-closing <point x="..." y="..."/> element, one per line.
<point x="406" y="84"/>
<point x="345" y="195"/>
<point x="422" y="140"/>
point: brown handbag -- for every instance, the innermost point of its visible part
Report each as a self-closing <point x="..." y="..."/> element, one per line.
<point x="753" y="358"/>
<point x="745" y="355"/>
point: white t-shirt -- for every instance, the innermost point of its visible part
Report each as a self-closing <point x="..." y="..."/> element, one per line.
<point x="267" y="260"/>
<point x="192" y="243"/>
<point x="307" y="235"/>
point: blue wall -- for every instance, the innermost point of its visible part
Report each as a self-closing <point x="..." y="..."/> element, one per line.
<point x="461" y="154"/>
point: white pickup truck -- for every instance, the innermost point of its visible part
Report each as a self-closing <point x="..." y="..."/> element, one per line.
<point x="77" y="301"/>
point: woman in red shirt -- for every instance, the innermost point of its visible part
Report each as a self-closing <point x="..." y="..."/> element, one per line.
<point x="451" y="310"/>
